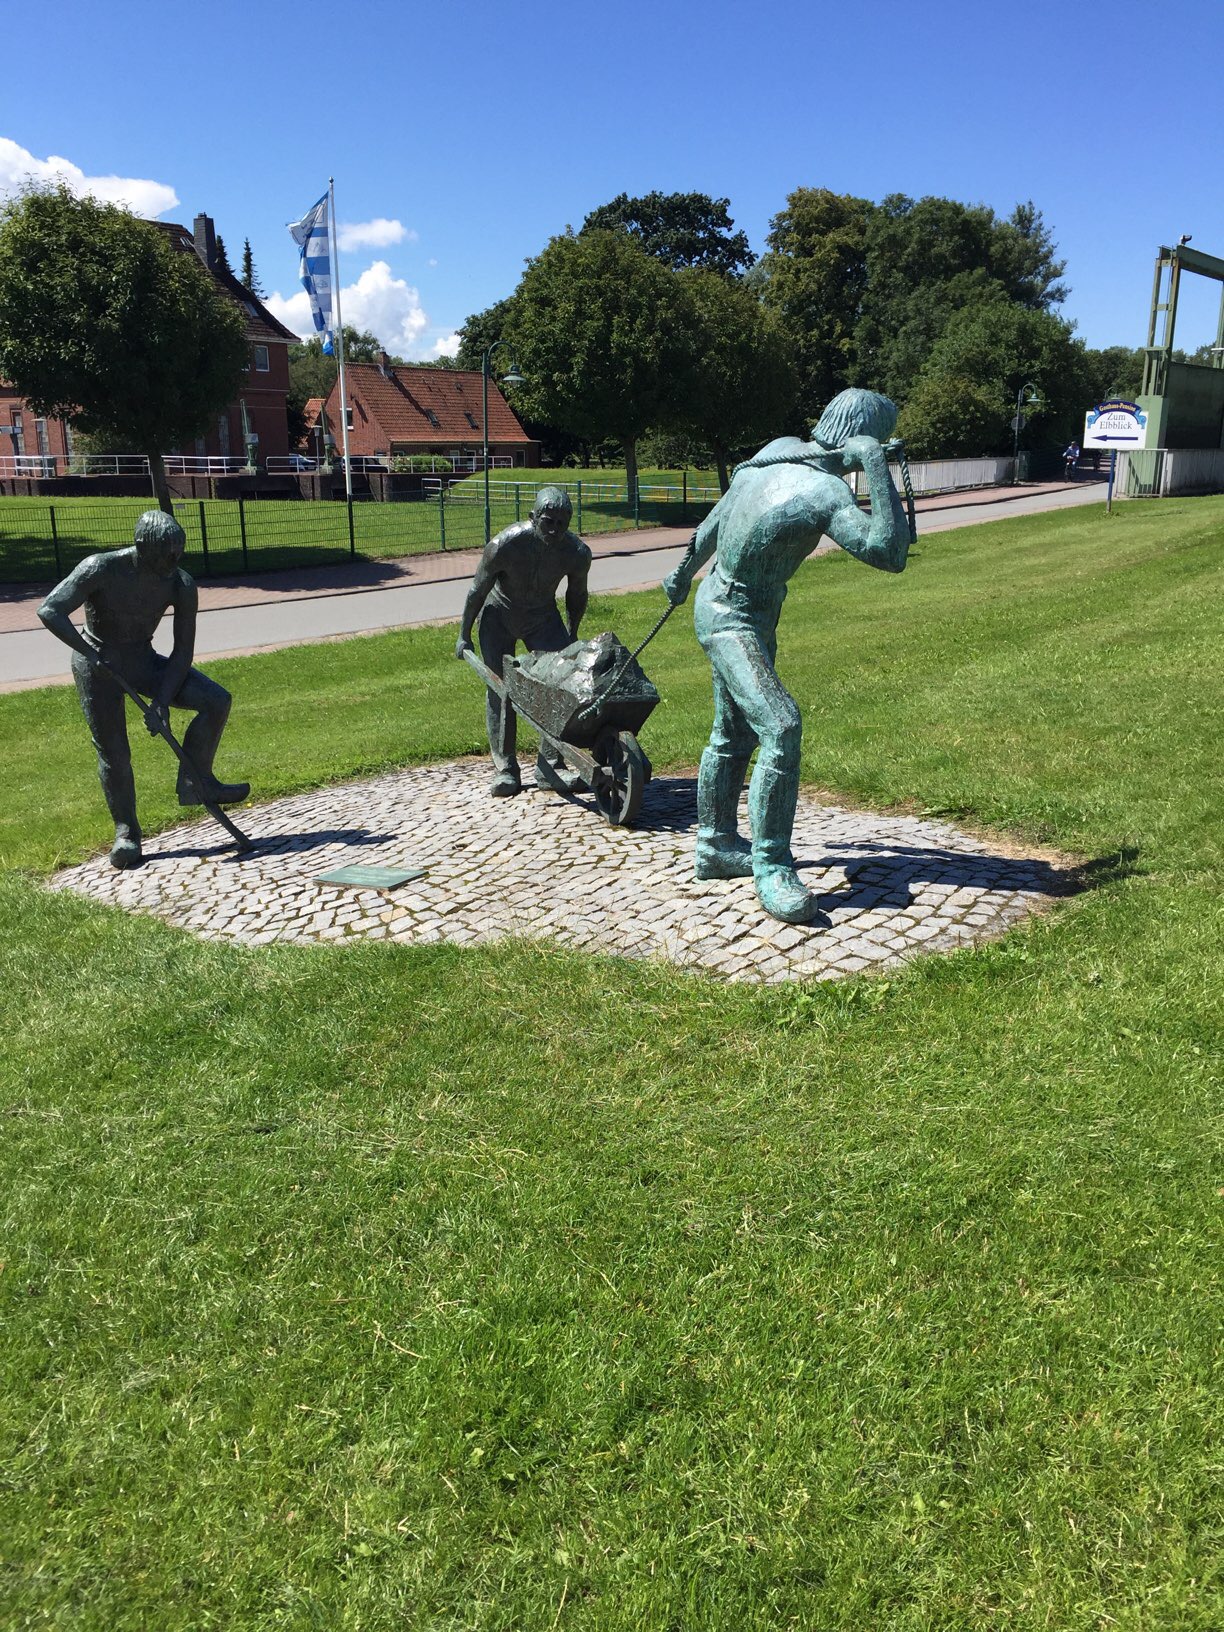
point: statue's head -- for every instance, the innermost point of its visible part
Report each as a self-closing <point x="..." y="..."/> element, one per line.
<point x="551" y="513"/>
<point x="856" y="413"/>
<point x="160" y="541"/>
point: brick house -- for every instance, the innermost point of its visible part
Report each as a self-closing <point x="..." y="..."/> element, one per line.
<point x="264" y="395"/>
<point x="396" y="409"/>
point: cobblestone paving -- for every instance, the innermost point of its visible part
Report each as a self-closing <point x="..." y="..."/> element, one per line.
<point x="550" y="867"/>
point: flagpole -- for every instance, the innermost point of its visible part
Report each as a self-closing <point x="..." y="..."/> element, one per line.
<point x="335" y="278"/>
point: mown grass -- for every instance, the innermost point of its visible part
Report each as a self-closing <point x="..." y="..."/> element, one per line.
<point x="41" y="539"/>
<point x="513" y="1289"/>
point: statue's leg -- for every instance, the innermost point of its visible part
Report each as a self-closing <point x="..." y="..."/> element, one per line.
<point x="551" y="772"/>
<point x="102" y="704"/>
<point x="211" y="705"/>
<point x="497" y="642"/>
<point x="722" y="852"/>
<point x="745" y="660"/>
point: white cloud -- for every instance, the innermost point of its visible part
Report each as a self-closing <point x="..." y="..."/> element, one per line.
<point x="432" y="262"/>
<point x="447" y="346"/>
<point x="18" y="167"/>
<point x="387" y="306"/>
<point x="377" y="234"/>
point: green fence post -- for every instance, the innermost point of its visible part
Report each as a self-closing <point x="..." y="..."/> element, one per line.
<point x="518" y="502"/>
<point x="637" y="503"/>
<point x="684" y="498"/>
<point x="204" y="539"/>
<point x="59" y="569"/>
<point x="580" y="508"/>
<point x="352" y="535"/>
<point x="242" y="530"/>
<point x="442" y="515"/>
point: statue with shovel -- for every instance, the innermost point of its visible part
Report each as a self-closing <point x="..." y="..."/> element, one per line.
<point x="125" y="594"/>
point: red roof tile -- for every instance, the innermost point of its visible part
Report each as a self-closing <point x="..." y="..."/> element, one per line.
<point x="402" y="400"/>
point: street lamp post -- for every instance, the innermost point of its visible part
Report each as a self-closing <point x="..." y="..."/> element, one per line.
<point x="1027" y="396"/>
<point x="512" y="378"/>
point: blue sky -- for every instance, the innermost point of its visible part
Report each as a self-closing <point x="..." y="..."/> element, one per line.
<point x="462" y="134"/>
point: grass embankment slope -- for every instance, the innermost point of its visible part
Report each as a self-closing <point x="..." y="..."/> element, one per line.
<point x="512" y="1289"/>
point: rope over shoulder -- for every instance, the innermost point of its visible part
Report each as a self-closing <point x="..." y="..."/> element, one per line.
<point x="892" y="450"/>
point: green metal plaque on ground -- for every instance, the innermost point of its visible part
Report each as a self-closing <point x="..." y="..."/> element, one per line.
<point x="372" y="878"/>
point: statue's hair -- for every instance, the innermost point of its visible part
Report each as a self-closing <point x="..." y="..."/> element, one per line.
<point x="156" y="527"/>
<point x="552" y="498"/>
<point x="856" y="413"/>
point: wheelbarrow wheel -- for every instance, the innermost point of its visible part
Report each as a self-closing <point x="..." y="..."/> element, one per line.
<point x="618" y="791"/>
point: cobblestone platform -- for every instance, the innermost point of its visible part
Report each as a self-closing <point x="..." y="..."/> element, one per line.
<point x="546" y="866"/>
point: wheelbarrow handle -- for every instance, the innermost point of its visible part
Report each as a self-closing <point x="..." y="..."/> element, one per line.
<point x="486" y="674"/>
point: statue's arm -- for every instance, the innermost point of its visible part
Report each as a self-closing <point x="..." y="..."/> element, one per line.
<point x="182" y="652"/>
<point x="882" y="538"/>
<point x="577" y="592"/>
<point x="482" y="583"/>
<point x="67" y="597"/>
<point x="701" y="547"/>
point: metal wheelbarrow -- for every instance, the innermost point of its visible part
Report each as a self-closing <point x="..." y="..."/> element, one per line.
<point x="596" y="737"/>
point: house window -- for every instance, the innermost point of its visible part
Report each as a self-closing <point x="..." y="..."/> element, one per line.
<point x="18" y="433"/>
<point x="261" y="360"/>
<point x="432" y="418"/>
<point x="40" y="431"/>
<point x="467" y="414"/>
<point x="223" y="435"/>
<point x="348" y="418"/>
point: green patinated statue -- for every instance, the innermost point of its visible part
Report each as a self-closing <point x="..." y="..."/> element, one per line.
<point x="514" y="593"/>
<point x="125" y="594"/>
<point x="778" y="507"/>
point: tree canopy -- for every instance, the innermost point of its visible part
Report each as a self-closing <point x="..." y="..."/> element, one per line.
<point x="598" y="329"/>
<point x="103" y="322"/>
<point x="740" y="381"/>
<point x="679" y="229"/>
<point x="249" y="278"/>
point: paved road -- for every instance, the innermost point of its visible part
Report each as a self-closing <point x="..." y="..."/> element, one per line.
<point x="285" y="609"/>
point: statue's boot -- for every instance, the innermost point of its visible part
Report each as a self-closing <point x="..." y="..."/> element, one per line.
<point x="772" y="799"/>
<point x="721" y="851"/>
<point x="506" y="782"/>
<point x="125" y="852"/>
<point x="555" y="776"/>
<point x="209" y="791"/>
<point x="784" y="895"/>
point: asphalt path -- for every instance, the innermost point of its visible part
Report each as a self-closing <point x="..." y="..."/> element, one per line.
<point x="251" y="617"/>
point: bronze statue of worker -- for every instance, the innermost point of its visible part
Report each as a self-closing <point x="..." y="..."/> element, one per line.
<point x="779" y="506"/>
<point x="514" y="595"/>
<point x="125" y="594"/>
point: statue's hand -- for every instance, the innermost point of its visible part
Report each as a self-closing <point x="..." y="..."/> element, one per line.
<point x="462" y="645"/>
<point x="857" y="450"/>
<point x="676" y="586"/>
<point x="157" y="718"/>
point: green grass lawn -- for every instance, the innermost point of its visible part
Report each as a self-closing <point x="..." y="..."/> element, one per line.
<point x="41" y="539"/>
<point x="513" y="1289"/>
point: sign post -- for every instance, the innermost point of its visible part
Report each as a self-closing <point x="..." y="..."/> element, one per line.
<point x="1115" y="424"/>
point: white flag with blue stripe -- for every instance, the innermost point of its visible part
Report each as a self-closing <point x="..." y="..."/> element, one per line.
<point x="311" y="236"/>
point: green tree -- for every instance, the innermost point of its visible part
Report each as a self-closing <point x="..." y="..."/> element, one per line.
<point x="679" y="229"/>
<point x="223" y="260"/>
<point x="951" y="417"/>
<point x="741" y="381"/>
<point x="249" y="278"/>
<point x="1114" y="371"/>
<point x="600" y="330"/>
<point x="813" y="278"/>
<point x="103" y="322"/>
<point x="932" y="260"/>
<point x="1001" y="347"/>
<point x="482" y="330"/>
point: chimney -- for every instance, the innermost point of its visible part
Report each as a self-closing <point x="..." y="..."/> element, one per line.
<point x="206" y="240"/>
<point x="384" y="365"/>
